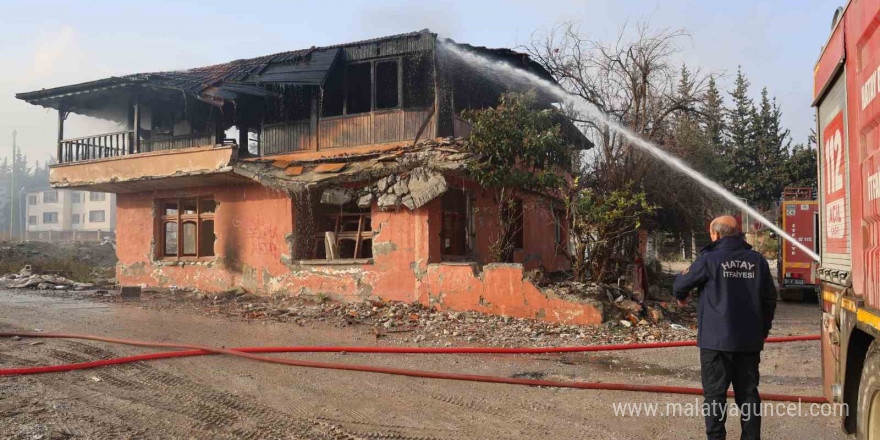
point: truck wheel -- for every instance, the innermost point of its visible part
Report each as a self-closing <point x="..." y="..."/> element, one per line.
<point x="869" y="396"/>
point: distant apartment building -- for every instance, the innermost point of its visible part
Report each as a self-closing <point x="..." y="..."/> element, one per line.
<point x="70" y="215"/>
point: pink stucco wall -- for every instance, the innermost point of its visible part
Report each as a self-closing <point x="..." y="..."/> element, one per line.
<point x="254" y="225"/>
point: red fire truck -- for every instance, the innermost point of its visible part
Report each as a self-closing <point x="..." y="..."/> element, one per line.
<point x="847" y="100"/>
<point x="798" y="212"/>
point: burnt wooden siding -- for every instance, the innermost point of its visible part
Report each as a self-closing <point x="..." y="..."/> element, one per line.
<point x="373" y="128"/>
<point x="176" y="142"/>
<point x="399" y="46"/>
<point x="285" y="137"/>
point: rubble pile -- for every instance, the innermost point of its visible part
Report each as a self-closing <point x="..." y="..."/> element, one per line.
<point x="412" y="189"/>
<point x="623" y="307"/>
<point x="416" y="323"/>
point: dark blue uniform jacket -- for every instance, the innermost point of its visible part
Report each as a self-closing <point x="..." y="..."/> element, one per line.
<point x="737" y="295"/>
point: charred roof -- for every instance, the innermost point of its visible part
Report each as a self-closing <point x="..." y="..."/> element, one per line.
<point x="304" y="67"/>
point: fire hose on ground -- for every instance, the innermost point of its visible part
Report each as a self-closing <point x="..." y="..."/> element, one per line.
<point x="248" y="353"/>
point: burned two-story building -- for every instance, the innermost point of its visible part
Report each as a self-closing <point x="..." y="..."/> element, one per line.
<point x="331" y="171"/>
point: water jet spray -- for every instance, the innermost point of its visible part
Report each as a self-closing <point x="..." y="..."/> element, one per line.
<point x="517" y="75"/>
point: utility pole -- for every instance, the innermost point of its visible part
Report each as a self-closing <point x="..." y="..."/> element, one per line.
<point x="12" y="188"/>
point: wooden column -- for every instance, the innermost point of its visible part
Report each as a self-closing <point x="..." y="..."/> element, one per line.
<point x="128" y="142"/>
<point x="313" y="124"/>
<point x="372" y="102"/>
<point x="136" y="130"/>
<point x="243" y="140"/>
<point x="219" y="134"/>
<point x="444" y="111"/>
<point x="61" y="117"/>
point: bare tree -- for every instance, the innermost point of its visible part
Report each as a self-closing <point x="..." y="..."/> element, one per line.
<point x="636" y="80"/>
<point x="633" y="80"/>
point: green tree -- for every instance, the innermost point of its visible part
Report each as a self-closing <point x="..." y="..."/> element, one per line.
<point x="740" y="150"/>
<point x="516" y="147"/>
<point x="599" y="224"/>
<point x="800" y="169"/>
<point x="772" y="145"/>
<point x="715" y="129"/>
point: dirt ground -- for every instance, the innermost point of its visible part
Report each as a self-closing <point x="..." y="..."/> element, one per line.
<point x="220" y="397"/>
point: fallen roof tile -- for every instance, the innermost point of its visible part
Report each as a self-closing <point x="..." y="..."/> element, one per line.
<point x="281" y="164"/>
<point x="330" y="167"/>
<point x="294" y="171"/>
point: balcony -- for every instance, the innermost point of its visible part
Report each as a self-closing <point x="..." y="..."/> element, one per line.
<point x="95" y="147"/>
<point x="277" y="138"/>
<point x="344" y="131"/>
<point x="121" y="143"/>
<point x="119" y="171"/>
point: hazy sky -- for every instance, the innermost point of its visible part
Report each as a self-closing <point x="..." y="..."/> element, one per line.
<point x="52" y="43"/>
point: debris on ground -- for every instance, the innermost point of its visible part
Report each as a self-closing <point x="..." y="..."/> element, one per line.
<point x="87" y="262"/>
<point x="26" y="279"/>
<point x="417" y="323"/>
<point x="621" y="305"/>
<point x="626" y="319"/>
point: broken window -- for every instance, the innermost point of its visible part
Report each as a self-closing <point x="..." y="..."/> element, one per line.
<point x="455" y="231"/>
<point x="162" y="124"/>
<point x="32" y="219"/>
<point x="418" y="81"/>
<point x="386" y="84"/>
<point x="343" y="232"/>
<point x="333" y="93"/>
<point x="367" y="86"/>
<point x="358" y="88"/>
<point x="187" y="227"/>
<point x="74" y="219"/>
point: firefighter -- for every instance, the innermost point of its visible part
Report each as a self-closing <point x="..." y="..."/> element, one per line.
<point x="736" y="306"/>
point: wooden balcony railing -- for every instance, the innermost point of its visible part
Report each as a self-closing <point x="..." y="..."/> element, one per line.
<point x="122" y="144"/>
<point x="97" y="146"/>
<point x="158" y="143"/>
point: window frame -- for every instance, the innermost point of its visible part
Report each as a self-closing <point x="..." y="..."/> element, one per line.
<point x="54" y="196"/>
<point x="34" y="222"/>
<point x="75" y="219"/>
<point x="359" y="236"/>
<point x="466" y="221"/>
<point x="33" y="200"/>
<point x="103" y="216"/>
<point x="373" y="109"/>
<point x="50" y="213"/>
<point x="374" y="80"/>
<point x="180" y="218"/>
<point x="97" y="196"/>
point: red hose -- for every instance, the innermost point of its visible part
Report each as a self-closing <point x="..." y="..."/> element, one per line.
<point x="245" y="352"/>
